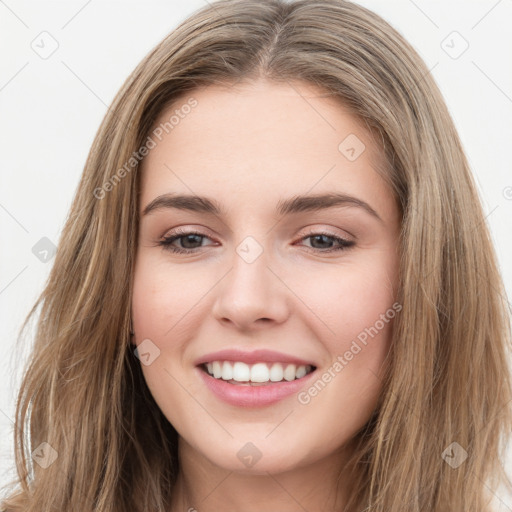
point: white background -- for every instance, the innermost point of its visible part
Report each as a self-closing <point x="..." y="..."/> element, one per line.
<point x="51" y="108"/>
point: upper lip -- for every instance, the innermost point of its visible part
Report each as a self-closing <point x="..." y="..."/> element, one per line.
<point x="254" y="356"/>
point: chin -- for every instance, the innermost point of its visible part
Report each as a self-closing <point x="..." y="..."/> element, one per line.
<point x="260" y="457"/>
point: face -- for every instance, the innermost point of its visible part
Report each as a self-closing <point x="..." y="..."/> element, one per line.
<point x="281" y="281"/>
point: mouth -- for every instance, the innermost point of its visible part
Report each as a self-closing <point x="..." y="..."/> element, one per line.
<point x="262" y="373"/>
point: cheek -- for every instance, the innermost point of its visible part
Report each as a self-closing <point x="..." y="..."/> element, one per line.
<point x="349" y="299"/>
<point x="162" y="296"/>
<point x="357" y="304"/>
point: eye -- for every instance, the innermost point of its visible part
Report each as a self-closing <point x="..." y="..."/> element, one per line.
<point x="323" y="242"/>
<point x="190" y="241"/>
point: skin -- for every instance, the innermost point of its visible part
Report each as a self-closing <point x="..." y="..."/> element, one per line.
<point x="248" y="147"/>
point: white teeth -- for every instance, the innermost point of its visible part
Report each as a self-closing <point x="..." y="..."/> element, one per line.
<point x="241" y="372"/>
<point x="276" y="372"/>
<point x="258" y="373"/>
<point x="217" y="369"/>
<point x="227" y="371"/>
<point x="301" y="371"/>
<point x="289" y="372"/>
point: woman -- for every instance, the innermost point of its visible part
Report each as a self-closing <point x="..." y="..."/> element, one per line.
<point x="275" y="289"/>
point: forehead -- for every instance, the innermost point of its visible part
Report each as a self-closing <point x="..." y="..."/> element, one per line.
<point x="261" y="137"/>
<point x="260" y="107"/>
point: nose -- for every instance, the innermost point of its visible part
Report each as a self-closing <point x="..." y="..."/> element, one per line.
<point x="251" y="296"/>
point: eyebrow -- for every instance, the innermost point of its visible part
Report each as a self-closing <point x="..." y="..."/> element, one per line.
<point x="295" y="204"/>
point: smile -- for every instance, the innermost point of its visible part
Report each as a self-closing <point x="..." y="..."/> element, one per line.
<point x="240" y="373"/>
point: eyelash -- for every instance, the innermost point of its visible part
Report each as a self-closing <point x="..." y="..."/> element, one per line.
<point x="167" y="241"/>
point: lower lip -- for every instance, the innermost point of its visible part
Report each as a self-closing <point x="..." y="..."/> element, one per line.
<point x="253" y="396"/>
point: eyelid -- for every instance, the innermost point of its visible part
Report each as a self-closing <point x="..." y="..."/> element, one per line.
<point x="307" y="231"/>
<point x="318" y="229"/>
<point x="343" y="242"/>
<point x="188" y="229"/>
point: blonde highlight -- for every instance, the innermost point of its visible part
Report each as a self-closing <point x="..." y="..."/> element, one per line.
<point x="83" y="392"/>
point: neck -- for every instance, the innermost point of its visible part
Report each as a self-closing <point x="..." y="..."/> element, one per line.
<point x="203" y="487"/>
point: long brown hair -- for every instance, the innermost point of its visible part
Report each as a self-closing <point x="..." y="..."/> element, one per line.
<point x="104" y="442"/>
